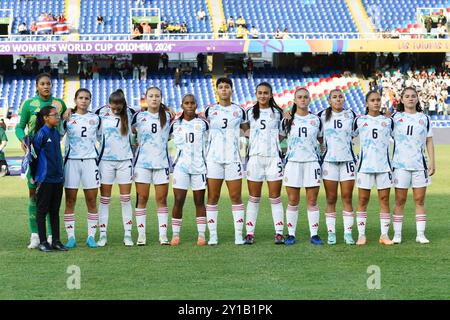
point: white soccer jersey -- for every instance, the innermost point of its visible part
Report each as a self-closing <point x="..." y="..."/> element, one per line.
<point x="302" y="138"/>
<point x="82" y="132"/>
<point x="337" y="136"/>
<point x="375" y="134"/>
<point x="264" y="132"/>
<point x="410" y="134"/>
<point x="190" y="138"/>
<point x="152" y="140"/>
<point x="224" y="126"/>
<point x="114" y="146"/>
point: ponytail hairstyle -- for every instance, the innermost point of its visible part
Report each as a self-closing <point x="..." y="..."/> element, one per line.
<point x="401" y="106"/>
<point x="80" y="91"/>
<point x="40" y="121"/>
<point x="294" y="111"/>
<point x="118" y="97"/>
<point x="272" y="104"/>
<point x="40" y="76"/>
<point x="162" y="108"/>
<point x="182" y="100"/>
<point x="367" y="98"/>
<point x="329" y="109"/>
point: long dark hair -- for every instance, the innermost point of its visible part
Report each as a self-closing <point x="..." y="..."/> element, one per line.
<point x="294" y="111"/>
<point x="272" y="104"/>
<point x="77" y="93"/>
<point x="40" y="76"/>
<point x="182" y="100"/>
<point x="40" y="122"/>
<point x="118" y="97"/>
<point x="329" y="109"/>
<point x="162" y="108"/>
<point x="367" y="98"/>
<point x="401" y="106"/>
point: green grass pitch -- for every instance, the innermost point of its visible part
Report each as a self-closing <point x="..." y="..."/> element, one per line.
<point x="227" y="271"/>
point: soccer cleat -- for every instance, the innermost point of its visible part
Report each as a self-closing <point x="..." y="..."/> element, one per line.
<point x="397" y="238"/>
<point x="50" y="239"/>
<point x="422" y="240"/>
<point x="315" y="240"/>
<point x="249" y="239"/>
<point x="201" y="241"/>
<point x="141" y="241"/>
<point x="331" y="238"/>
<point x="127" y="241"/>
<point x="384" y="240"/>
<point x="175" y="241"/>
<point x="90" y="242"/>
<point x="213" y="240"/>
<point x="290" y="240"/>
<point x="102" y="241"/>
<point x="348" y="239"/>
<point x="34" y="241"/>
<point x="164" y="241"/>
<point x="71" y="243"/>
<point x="279" y="239"/>
<point x="361" y="241"/>
<point x="239" y="240"/>
<point x="45" y="247"/>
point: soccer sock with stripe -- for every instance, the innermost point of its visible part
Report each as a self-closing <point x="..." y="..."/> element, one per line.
<point x="141" y="215"/>
<point x="398" y="223"/>
<point x="201" y="226"/>
<point x="277" y="214"/>
<point x="348" y="218"/>
<point x="361" y="222"/>
<point x="252" y="214"/>
<point x="104" y="213"/>
<point x="421" y="220"/>
<point x="238" y="217"/>
<point x="69" y="224"/>
<point x="385" y="222"/>
<point x="212" y="211"/>
<point x="291" y="219"/>
<point x="92" y="223"/>
<point x="313" y="219"/>
<point x="163" y="220"/>
<point x="330" y="218"/>
<point x="127" y="214"/>
<point x="176" y="227"/>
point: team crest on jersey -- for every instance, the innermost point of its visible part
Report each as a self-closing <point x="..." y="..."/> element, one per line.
<point x="197" y="127"/>
<point x="421" y="122"/>
<point x="346" y="116"/>
<point x="313" y="123"/>
<point x="235" y="114"/>
<point x="92" y="122"/>
<point x="383" y="124"/>
<point x="107" y="114"/>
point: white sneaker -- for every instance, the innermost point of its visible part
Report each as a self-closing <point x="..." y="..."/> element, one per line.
<point x="397" y="238"/>
<point x="238" y="240"/>
<point x="3" y="171"/>
<point x="422" y="240"/>
<point x="34" y="241"/>
<point x="127" y="241"/>
<point x="141" y="241"/>
<point x="50" y="239"/>
<point x="102" y="241"/>
<point x="213" y="240"/>
<point x="164" y="241"/>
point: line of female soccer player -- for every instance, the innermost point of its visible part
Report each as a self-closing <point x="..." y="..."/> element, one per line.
<point x="319" y="148"/>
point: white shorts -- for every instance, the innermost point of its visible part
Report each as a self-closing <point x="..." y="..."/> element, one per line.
<point x="339" y="171"/>
<point x="84" y="171"/>
<point x="227" y="171"/>
<point x="405" y="179"/>
<point x="151" y="176"/>
<point x="182" y="180"/>
<point x="302" y="174"/>
<point x="381" y="180"/>
<point x="118" y="171"/>
<point x="261" y="168"/>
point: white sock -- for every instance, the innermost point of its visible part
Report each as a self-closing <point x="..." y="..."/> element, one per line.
<point x="163" y="220"/>
<point x="141" y="215"/>
<point x="385" y="222"/>
<point x="291" y="219"/>
<point x="92" y="224"/>
<point x="361" y="222"/>
<point x="176" y="226"/>
<point x="330" y="218"/>
<point x="69" y="224"/>
<point x="349" y="218"/>
<point x="421" y="220"/>
<point x="103" y="214"/>
<point x="277" y="214"/>
<point x="252" y="214"/>
<point x="313" y="219"/>
<point x="238" y="217"/>
<point x="127" y="213"/>
<point x="201" y="226"/>
<point x="212" y="211"/>
<point x="398" y="222"/>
